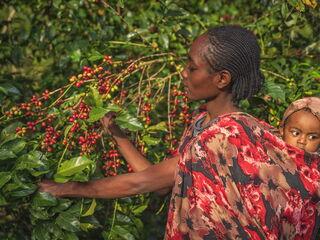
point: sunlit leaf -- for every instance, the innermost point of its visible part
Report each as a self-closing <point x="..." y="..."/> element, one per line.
<point x="125" y="120"/>
<point x="91" y="209"/>
<point x="73" y="166"/>
<point x="69" y="220"/>
<point x="44" y="199"/>
<point x="6" y="154"/>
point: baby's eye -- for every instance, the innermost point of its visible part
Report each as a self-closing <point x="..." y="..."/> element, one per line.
<point x="295" y="133"/>
<point x="313" y="136"/>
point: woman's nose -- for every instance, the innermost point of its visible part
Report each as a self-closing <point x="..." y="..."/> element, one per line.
<point x="184" y="73"/>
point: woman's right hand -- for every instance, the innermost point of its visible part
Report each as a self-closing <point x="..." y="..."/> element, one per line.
<point x="109" y="126"/>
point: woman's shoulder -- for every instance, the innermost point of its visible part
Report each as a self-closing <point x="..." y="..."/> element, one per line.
<point x="246" y="121"/>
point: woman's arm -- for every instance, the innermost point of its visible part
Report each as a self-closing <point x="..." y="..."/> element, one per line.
<point x="153" y="178"/>
<point x="136" y="160"/>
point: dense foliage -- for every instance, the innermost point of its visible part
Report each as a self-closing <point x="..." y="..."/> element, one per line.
<point x="121" y="56"/>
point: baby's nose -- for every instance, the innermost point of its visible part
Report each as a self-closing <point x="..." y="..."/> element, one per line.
<point x="302" y="139"/>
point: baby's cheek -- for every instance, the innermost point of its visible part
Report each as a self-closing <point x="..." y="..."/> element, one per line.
<point x="313" y="146"/>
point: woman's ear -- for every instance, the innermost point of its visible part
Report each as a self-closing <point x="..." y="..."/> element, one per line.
<point x="223" y="79"/>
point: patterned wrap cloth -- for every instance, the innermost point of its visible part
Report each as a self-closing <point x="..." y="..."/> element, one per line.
<point x="237" y="180"/>
<point x="310" y="103"/>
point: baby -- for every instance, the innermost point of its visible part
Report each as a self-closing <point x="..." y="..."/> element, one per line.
<point x="300" y="126"/>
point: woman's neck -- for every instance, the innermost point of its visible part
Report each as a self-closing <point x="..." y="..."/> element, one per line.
<point x="221" y="105"/>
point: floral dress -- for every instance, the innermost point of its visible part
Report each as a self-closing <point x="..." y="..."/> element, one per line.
<point x="237" y="180"/>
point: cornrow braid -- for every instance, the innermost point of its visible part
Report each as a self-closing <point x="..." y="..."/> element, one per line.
<point x="236" y="50"/>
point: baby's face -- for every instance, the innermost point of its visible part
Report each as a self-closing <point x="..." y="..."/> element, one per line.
<point x="302" y="130"/>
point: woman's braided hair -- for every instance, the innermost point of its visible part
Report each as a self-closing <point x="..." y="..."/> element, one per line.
<point x="236" y="50"/>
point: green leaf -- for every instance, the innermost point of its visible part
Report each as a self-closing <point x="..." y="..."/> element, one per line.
<point x="69" y="220"/>
<point x="44" y="199"/>
<point x="16" y="145"/>
<point x="40" y="212"/>
<point x="8" y="89"/>
<point x="35" y="162"/>
<point x="151" y="141"/>
<point x="91" y="209"/>
<point x="6" y="154"/>
<point x="4" y="178"/>
<point x="97" y="113"/>
<point x="76" y="55"/>
<point x="20" y="189"/>
<point x="96" y="97"/>
<point x="70" y="236"/>
<point x="66" y="131"/>
<point x="139" y="209"/>
<point x="125" y="120"/>
<point x="164" y="40"/>
<point x="9" y="133"/>
<point x="61" y="179"/>
<point x="63" y="204"/>
<point x="40" y="232"/>
<point x="73" y="166"/>
<point x="95" y="56"/>
<point x="275" y="91"/>
<point x="123" y="233"/>
<point x="87" y="227"/>
<point x="81" y="176"/>
<point x="3" y="201"/>
<point x="161" y="126"/>
<point x="8" y="139"/>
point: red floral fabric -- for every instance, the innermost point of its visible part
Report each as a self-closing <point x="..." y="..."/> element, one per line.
<point x="237" y="180"/>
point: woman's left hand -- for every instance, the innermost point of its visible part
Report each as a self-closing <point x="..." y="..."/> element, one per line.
<point x="55" y="189"/>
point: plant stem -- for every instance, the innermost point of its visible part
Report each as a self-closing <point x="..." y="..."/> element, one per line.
<point x="276" y="74"/>
<point x="64" y="152"/>
<point x="113" y="217"/>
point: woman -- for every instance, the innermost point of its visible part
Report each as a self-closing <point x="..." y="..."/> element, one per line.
<point x="233" y="178"/>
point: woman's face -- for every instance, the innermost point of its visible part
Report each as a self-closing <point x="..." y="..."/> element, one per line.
<point x="302" y="130"/>
<point x="197" y="79"/>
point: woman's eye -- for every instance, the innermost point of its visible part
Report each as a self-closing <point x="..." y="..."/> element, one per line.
<point x="191" y="69"/>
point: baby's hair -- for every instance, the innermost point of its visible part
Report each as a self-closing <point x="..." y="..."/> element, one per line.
<point x="306" y="109"/>
<point x="311" y="104"/>
<point x="236" y="50"/>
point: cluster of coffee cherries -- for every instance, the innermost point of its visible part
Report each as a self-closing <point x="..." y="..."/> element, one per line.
<point x="145" y="110"/>
<point x="29" y="108"/>
<point x="112" y="163"/>
<point x="88" y="73"/>
<point x="80" y="112"/>
<point x="88" y="141"/>
<point x="50" y="139"/>
<point x="180" y="106"/>
<point x="21" y="131"/>
<point x="120" y="98"/>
